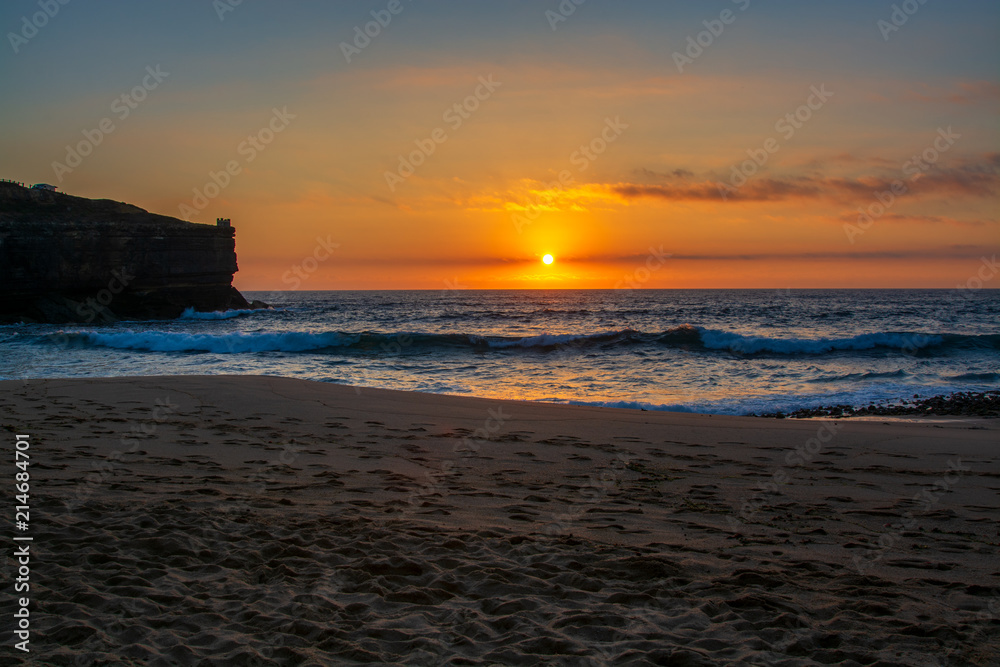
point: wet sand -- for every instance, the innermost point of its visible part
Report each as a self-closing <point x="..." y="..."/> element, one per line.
<point x="257" y="520"/>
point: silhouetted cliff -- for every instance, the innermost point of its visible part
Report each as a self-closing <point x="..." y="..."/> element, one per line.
<point x="70" y="259"/>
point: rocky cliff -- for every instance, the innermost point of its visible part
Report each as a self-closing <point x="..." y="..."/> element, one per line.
<point x="70" y="259"/>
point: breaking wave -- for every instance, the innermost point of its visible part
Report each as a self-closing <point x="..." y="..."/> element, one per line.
<point x="192" y="314"/>
<point x="683" y="337"/>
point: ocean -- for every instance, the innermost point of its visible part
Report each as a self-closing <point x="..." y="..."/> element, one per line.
<point x="715" y="351"/>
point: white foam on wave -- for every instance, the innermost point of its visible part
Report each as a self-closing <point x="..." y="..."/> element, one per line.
<point x="762" y="403"/>
<point x="192" y="314"/>
<point x="734" y="342"/>
<point x="232" y="343"/>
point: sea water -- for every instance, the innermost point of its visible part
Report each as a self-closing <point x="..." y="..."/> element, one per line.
<point x="716" y="351"/>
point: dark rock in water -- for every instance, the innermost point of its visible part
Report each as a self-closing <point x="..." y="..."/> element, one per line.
<point x="967" y="404"/>
<point x="71" y="259"/>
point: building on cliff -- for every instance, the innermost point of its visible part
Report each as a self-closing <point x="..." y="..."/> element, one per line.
<point x="71" y="259"/>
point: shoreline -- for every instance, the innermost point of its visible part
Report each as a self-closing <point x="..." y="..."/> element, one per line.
<point x="983" y="405"/>
<point x="312" y="522"/>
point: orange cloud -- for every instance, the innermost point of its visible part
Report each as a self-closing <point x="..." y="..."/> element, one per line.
<point x="975" y="178"/>
<point x="963" y="92"/>
<point x="922" y="220"/>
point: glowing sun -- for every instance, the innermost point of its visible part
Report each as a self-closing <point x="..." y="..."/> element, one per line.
<point x="548" y="259"/>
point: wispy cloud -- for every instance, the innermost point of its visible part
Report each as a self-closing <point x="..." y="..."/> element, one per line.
<point x="962" y="92"/>
<point x="973" y="178"/>
<point x="957" y="251"/>
<point x="923" y="220"/>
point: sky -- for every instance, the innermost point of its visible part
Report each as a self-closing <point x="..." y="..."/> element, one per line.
<point x="414" y="144"/>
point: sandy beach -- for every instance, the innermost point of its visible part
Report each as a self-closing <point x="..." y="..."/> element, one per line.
<point x="259" y="520"/>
